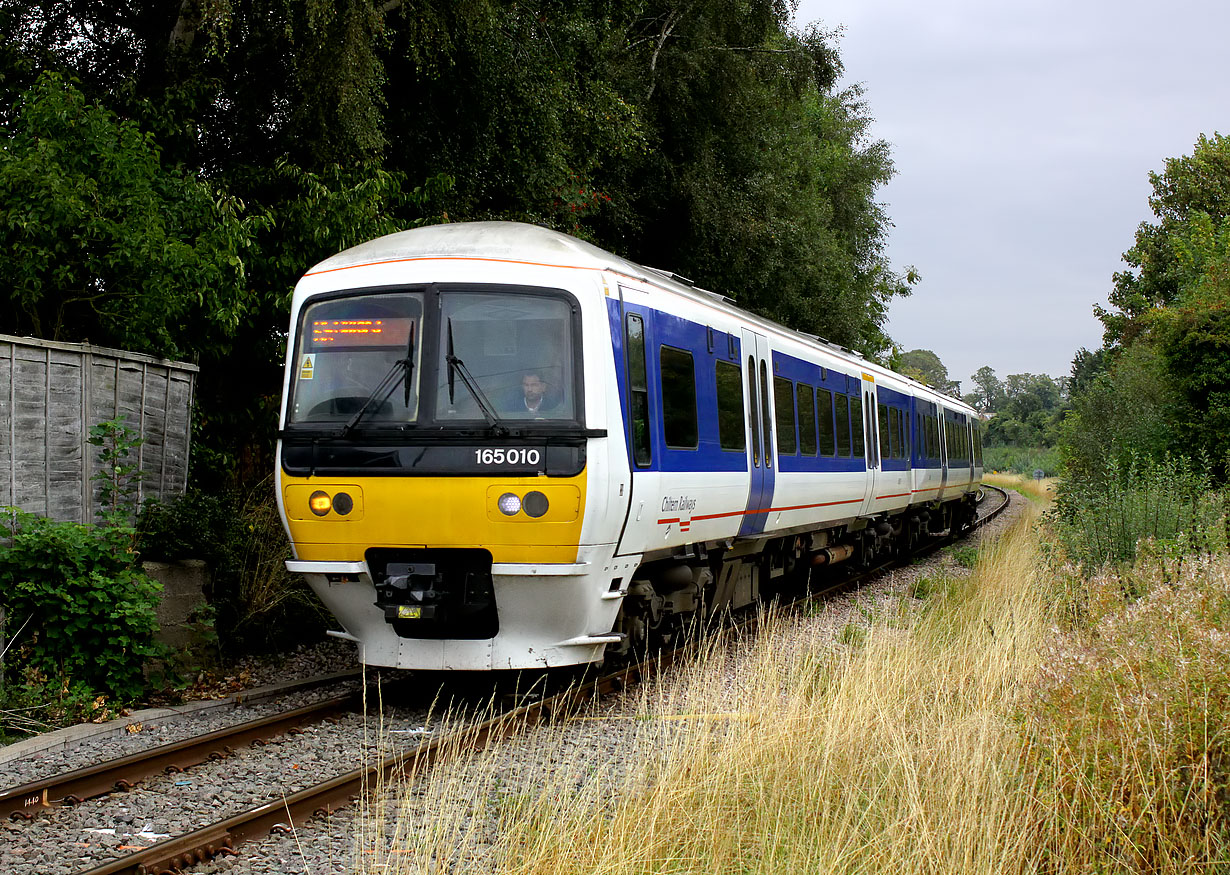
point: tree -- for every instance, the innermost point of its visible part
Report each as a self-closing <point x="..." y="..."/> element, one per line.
<point x="1125" y="413"/>
<point x="1171" y="308"/>
<point x="990" y="391"/>
<point x="1190" y="187"/>
<point x="925" y="366"/>
<point x="100" y="241"/>
<point x="707" y="136"/>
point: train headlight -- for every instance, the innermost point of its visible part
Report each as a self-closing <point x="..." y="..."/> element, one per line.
<point x="343" y="503"/>
<point x="535" y="504"/>
<point x="509" y="504"/>
<point x="320" y="503"/>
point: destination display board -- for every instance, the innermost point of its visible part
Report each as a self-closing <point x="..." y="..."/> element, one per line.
<point x="357" y="332"/>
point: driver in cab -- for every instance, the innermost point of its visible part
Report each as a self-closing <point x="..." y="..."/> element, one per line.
<point x="534" y="399"/>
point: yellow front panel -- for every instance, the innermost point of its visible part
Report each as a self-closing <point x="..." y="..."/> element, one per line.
<point x="437" y="512"/>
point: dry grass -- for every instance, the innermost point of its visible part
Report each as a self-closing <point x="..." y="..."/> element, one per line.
<point x="1040" y="491"/>
<point x="961" y="734"/>
<point x="1131" y="723"/>
<point x="896" y="755"/>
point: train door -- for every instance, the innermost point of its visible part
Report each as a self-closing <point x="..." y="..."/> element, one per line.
<point x="871" y="442"/>
<point x="943" y="424"/>
<point x="762" y="458"/>
<point x="644" y="493"/>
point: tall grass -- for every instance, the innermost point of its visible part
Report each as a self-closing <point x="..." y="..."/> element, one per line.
<point x="899" y="754"/>
<point x="1038" y="491"/>
<point x="966" y="732"/>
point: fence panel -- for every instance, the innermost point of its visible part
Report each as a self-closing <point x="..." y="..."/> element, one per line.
<point x="51" y="394"/>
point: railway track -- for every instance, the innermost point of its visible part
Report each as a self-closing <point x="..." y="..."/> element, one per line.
<point x="222" y="838"/>
<point x="124" y="773"/>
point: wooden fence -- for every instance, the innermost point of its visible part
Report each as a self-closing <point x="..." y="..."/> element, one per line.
<point x="51" y="394"/>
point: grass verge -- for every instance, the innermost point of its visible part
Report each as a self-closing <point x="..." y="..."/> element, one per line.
<point x="983" y="726"/>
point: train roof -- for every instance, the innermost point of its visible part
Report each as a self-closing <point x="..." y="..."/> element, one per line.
<point x="505" y="241"/>
<point x="531" y="244"/>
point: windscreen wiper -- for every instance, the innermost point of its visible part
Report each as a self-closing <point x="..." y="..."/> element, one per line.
<point x="457" y="366"/>
<point x="398" y="374"/>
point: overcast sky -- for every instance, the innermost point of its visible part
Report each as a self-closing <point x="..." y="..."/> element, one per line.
<point x="1023" y="135"/>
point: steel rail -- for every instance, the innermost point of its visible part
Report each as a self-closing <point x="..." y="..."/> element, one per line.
<point x="175" y="854"/>
<point x="123" y="773"/>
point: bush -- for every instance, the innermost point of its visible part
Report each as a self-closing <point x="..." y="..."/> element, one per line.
<point x="259" y="605"/>
<point x="1128" y="723"/>
<point x="1022" y="460"/>
<point x="79" y="607"/>
<point x="1103" y="518"/>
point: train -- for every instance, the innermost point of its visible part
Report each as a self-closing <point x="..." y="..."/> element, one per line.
<point x="502" y="447"/>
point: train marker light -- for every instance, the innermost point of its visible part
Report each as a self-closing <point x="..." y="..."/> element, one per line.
<point x="509" y="504"/>
<point x="343" y="503"/>
<point x="535" y="504"/>
<point x="320" y="503"/>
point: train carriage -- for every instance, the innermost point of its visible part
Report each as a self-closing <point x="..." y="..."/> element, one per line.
<point x="502" y="447"/>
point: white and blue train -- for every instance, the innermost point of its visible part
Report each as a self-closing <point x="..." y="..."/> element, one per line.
<point x="502" y="447"/>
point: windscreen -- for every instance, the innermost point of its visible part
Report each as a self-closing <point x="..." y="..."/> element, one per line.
<point x="355" y="353"/>
<point x="516" y="350"/>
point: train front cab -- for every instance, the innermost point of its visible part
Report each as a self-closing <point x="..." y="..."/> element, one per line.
<point x="438" y="513"/>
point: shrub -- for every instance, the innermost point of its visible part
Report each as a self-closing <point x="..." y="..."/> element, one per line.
<point x="1128" y="727"/>
<point x="80" y="609"/>
<point x="1022" y="460"/>
<point x="1103" y="518"/>
<point x="258" y="603"/>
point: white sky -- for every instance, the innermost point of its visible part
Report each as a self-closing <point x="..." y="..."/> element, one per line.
<point x="1023" y="136"/>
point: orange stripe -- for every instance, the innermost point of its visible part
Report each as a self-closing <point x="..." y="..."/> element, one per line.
<point x="896" y="495"/>
<point x="448" y="258"/>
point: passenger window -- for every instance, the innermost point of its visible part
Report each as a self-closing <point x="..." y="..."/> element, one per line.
<point x="764" y="415"/>
<point x="731" y="427"/>
<point x="843" y="425"/>
<point x="751" y="410"/>
<point x="894" y="430"/>
<point x="783" y="402"/>
<point x="828" y="444"/>
<point x="886" y="439"/>
<point x="807" y="419"/>
<point x="638" y="390"/>
<point x="678" y="398"/>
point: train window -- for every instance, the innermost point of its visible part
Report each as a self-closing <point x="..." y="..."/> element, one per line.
<point x="678" y="398"/>
<point x="870" y="432"/>
<point x="783" y="402"/>
<point x="905" y="435"/>
<point x="807" y="420"/>
<point x="347" y="347"/>
<point x="978" y="445"/>
<point x="824" y="410"/>
<point x="638" y="390"/>
<point x="764" y="415"/>
<point x="731" y="427"/>
<point x="843" y="425"/>
<point x="751" y="410"/>
<point x="885" y="438"/>
<point x="894" y="433"/>
<point x="859" y="425"/>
